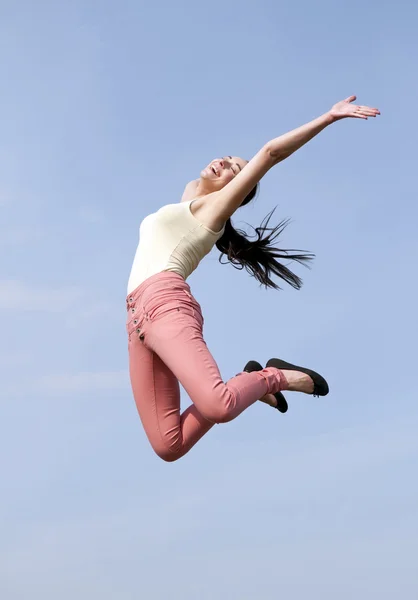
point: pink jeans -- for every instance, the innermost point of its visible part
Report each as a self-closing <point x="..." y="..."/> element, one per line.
<point x="166" y="346"/>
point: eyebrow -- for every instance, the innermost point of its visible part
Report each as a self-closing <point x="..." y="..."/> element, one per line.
<point x="235" y="163"/>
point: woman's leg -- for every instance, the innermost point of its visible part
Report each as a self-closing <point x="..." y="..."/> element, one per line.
<point x="176" y="336"/>
<point x="157" y="396"/>
<point x="166" y="346"/>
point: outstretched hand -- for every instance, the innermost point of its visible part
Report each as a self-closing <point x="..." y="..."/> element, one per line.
<point x="345" y="109"/>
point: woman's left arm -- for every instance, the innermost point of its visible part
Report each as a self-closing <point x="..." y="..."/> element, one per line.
<point x="285" y="145"/>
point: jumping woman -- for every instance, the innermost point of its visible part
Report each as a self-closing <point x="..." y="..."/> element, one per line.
<point x="165" y="322"/>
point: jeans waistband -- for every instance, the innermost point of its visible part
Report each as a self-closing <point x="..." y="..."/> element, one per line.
<point x="167" y="276"/>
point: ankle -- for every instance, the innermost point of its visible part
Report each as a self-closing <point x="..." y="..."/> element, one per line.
<point x="299" y="382"/>
<point x="276" y="380"/>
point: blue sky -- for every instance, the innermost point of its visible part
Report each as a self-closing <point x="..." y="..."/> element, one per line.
<point x="108" y="109"/>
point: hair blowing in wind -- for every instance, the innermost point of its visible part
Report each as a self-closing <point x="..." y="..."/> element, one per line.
<point x="261" y="257"/>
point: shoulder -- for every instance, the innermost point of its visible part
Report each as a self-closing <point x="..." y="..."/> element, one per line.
<point x="190" y="191"/>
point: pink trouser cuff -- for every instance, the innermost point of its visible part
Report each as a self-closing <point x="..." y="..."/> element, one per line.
<point x="276" y="381"/>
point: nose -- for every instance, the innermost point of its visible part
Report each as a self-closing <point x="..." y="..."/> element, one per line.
<point x="221" y="163"/>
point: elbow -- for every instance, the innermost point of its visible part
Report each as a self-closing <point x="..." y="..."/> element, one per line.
<point x="273" y="155"/>
<point x="277" y="156"/>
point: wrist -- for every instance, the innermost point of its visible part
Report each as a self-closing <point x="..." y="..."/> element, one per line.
<point x="330" y="118"/>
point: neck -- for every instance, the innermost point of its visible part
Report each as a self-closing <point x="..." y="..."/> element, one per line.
<point x="203" y="189"/>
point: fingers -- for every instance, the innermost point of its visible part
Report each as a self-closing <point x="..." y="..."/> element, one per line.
<point x="372" y="112"/>
<point x="359" y="112"/>
<point x="364" y="112"/>
<point x="361" y="115"/>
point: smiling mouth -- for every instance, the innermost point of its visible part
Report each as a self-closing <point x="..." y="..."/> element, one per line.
<point x="214" y="171"/>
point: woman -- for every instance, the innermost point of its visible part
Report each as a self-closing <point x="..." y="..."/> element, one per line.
<point x="165" y="322"/>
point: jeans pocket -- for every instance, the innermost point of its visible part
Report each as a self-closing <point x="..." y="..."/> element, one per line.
<point x="160" y="308"/>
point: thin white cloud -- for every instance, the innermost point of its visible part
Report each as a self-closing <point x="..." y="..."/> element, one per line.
<point x="305" y="517"/>
<point x="71" y="383"/>
<point x="25" y="297"/>
<point x="62" y="384"/>
<point x="19" y="235"/>
<point x="9" y="359"/>
<point x="18" y="295"/>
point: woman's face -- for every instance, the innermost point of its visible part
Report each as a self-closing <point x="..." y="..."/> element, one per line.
<point x="221" y="171"/>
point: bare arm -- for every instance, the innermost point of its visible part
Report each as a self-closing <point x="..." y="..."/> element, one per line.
<point x="230" y="198"/>
<point x="285" y="145"/>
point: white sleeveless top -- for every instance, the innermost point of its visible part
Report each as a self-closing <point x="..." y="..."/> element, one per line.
<point x="172" y="239"/>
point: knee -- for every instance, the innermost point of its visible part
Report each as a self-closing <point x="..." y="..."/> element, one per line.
<point x="218" y="413"/>
<point x="166" y="452"/>
<point x="168" y="456"/>
<point x="218" y="405"/>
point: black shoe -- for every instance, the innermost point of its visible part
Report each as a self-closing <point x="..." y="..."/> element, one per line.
<point x="320" y="385"/>
<point x="282" y="405"/>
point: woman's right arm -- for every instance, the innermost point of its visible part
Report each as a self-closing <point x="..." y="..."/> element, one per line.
<point x="229" y="199"/>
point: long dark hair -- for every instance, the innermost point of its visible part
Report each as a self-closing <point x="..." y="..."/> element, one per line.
<point x="260" y="257"/>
